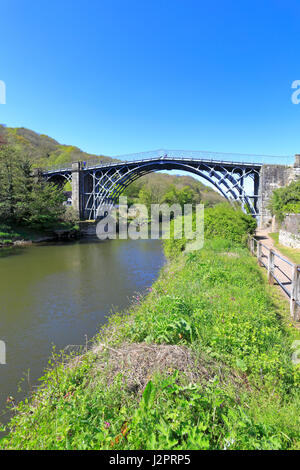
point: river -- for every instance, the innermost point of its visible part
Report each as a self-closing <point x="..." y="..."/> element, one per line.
<point x="56" y="294"/>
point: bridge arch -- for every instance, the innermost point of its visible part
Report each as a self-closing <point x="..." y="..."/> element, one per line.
<point x="59" y="179"/>
<point x="109" y="185"/>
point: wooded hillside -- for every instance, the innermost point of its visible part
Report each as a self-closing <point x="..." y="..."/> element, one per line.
<point x="43" y="151"/>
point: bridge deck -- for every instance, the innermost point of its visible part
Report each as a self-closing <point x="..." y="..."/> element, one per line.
<point x="93" y="165"/>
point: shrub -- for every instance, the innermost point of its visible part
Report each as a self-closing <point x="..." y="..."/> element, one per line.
<point x="69" y="216"/>
<point x="222" y="221"/>
<point x="286" y="200"/>
<point x="24" y="199"/>
<point x="229" y="223"/>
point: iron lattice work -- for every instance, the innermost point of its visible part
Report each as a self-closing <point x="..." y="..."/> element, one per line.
<point x="102" y="184"/>
<point x="59" y="178"/>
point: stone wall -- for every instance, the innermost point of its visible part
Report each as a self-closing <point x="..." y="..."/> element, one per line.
<point x="289" y="234"/>
<point x="88" y="229"/>
<point x="273" y="177"/>
<point x="291" y="223"/>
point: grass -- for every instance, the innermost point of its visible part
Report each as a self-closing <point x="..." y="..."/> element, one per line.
<point x="215" y="302"/>
<point x="291" y="253"/>
<point x="8" y="234"/>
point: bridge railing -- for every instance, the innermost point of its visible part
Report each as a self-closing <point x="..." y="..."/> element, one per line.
<point x="90" y="164"/>
<point x="171" y="155"/>
<point x="228" y="157"/>
<point x="286" y="275"/>
<point x="57" y="168"/>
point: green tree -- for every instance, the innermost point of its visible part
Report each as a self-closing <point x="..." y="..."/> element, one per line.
<point x="183" y="196"/>
<point x="132" y="192"/>
<point x="25" y="198"/>
<point x="10" y="181"/>
<point x="44" y="206"/>
<point x="148" y="195"/>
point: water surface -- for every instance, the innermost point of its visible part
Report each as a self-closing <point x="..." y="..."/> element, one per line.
<point x="58" y="294"/>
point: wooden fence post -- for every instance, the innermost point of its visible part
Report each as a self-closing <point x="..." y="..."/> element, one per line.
<point x="258" y="253"/>
<point x="295" y="292"/>
<point x="271" y="266"/>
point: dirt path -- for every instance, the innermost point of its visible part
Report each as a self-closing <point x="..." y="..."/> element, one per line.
<point x="269" y="242"/>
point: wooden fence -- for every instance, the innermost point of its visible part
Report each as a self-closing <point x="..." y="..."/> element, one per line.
<point x="281" y="271"/>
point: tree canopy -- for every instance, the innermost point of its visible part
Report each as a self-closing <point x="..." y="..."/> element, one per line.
<point x="24" y="198"/>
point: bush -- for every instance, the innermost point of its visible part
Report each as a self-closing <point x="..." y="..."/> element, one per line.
<point x="229" y="223"/>
<point x="222" y="221"/>
<point x="25" y="200"/>
<point x="69" y="217"/>
<point x="286" y="200"/>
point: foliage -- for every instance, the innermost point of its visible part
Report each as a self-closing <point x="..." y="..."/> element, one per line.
<point x="148" y="196"/>
<point x="132" y="192"/>
<point x="222" y="221"/>
<point x="42" y="150"/>
<point x="286" y="200"/>
<point x="218" y="305"/>
<point x="183" y="196"/>
<point x="171" y="189"/>
<point x="12" y="179"/>
<point x="162" y="182"/>
<point x="25" y="199"/>
<point x="69" y="217"/>
<point x="43" y="208"/>
<point x="168" y="195"/>
<point x="227" y="222"/>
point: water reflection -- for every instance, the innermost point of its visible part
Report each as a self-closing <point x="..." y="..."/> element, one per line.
<point x="58" y="294"/>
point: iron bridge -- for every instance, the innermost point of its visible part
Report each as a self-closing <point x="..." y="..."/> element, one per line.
<point x="95" y="183"/>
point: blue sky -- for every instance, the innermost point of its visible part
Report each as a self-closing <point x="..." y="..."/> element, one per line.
<point x="122" y="76"/>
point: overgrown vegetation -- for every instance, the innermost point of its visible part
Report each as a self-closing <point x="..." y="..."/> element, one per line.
<point x="26" y="200"/>
<point x="234" y="388"/>
<point x="286" y="200"/>
<point x="222" y="221"/>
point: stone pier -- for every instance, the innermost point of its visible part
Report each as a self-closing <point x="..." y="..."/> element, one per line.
<point x="77" y="188"/>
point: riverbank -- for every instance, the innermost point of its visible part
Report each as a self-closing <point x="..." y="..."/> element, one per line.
<point x="18" y="235"/>
<point x="202" y="362"/>
<point x="61" y="293"/>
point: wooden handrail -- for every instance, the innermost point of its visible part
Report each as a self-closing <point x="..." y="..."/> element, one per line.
<point x="270" y="265"/>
